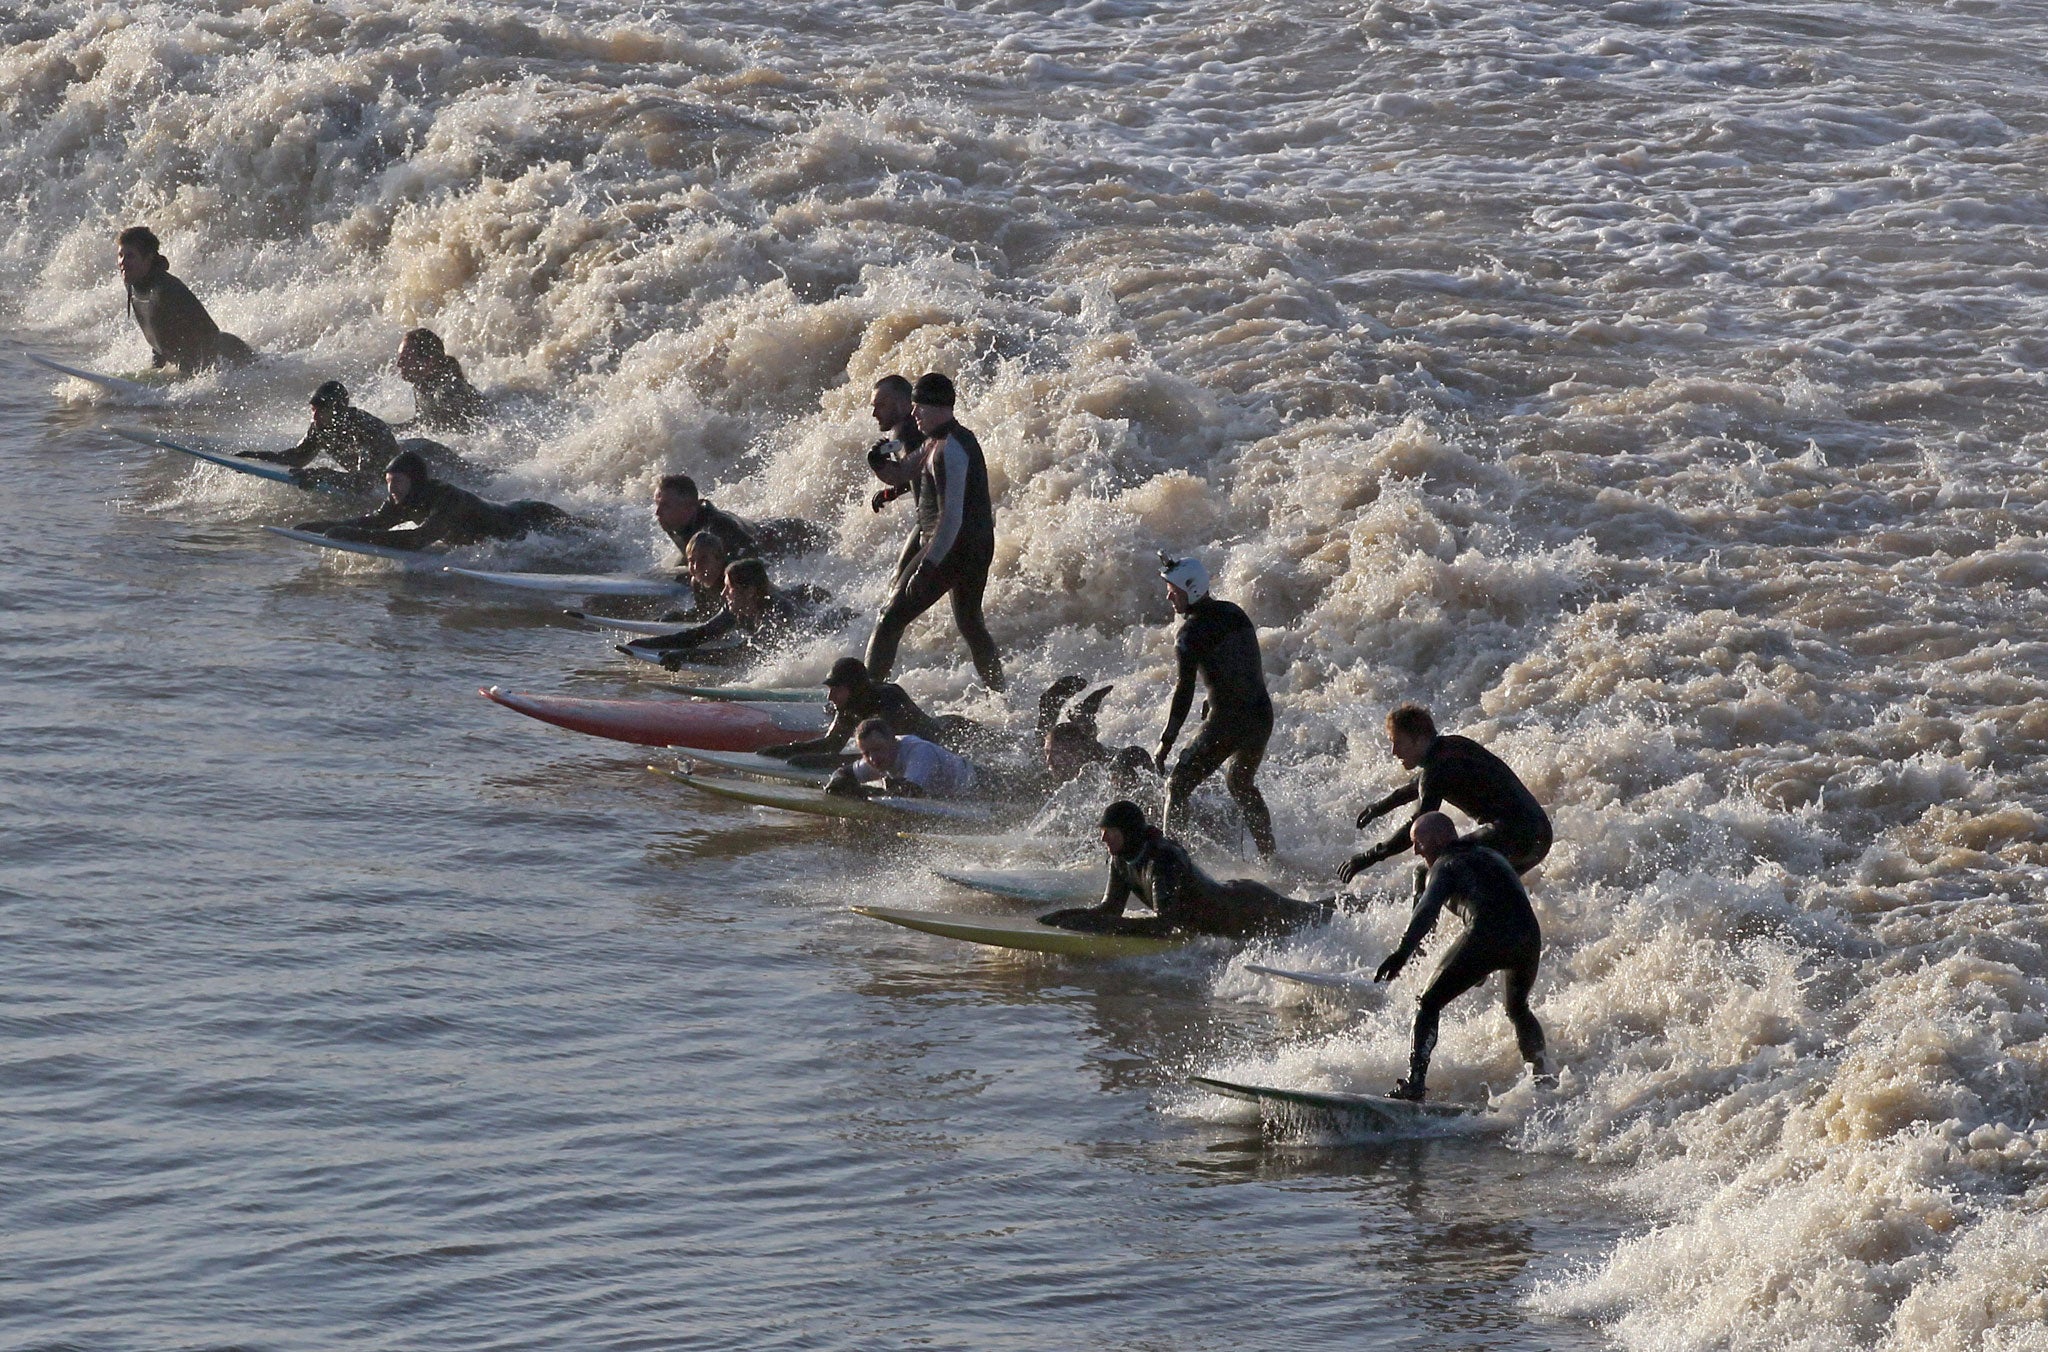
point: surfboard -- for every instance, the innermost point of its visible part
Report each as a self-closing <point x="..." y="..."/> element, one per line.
<point x="817" y="803"/>
<point x="127" y="389"/>
<point x="716" y="653"/>
<point x="261" y="469"/>
<point x="611" y="622"/>
<point x="668" y="722"/>
<point x="1374" y="1108"/>
<point x="758" y="694"/>
<point x="759" y="766"/>
<point x="1043" y="886"/>
<point x="1023" y="933"/>
<point x="582" y="584"/>
<point x="409" y="558"/>
<point x="1351" y="985"/>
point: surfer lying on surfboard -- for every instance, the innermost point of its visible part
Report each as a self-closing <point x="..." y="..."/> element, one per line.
<point x="756" y="610"/>
<point x="358" y="442"/>
<point x="855" y="697"/>
<point x="1144" y="863"/>
<point x="900" y="767"/>
<point x="442" y="513"/>
<point x="443" y="400"/>
<point x="1480" y="885"/>
<point x="681" y="513"/>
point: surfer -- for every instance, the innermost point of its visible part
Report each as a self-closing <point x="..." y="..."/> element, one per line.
<point x="443" y="513"/>
<point x="704" y="561"/>
<point x="897" y="457"/>
<point x="900" y="767"/>
<point x="856" y="697"/>
<point x="682" y="512"/>
<point x="762" y="615"/>
<point x="1458" y="771"/>
<point x="1480" y="885"/>
<point x="443" y="400"/>
<point x="954" y="542"/>
<point x="176" y="326"/>
<point x="358" y="442"/>
<point x="1070" y="742"/>
<point x="1217" y="643"/>
<point x="1144" y="863"/>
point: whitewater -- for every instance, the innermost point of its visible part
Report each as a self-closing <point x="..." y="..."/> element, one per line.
<point x="1653" y="389"/>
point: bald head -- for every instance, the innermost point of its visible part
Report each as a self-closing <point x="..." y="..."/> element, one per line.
<point x="1432" y="833"/>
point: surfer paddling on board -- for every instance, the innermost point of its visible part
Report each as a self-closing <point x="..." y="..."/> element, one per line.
<point x="949" y="552"/>
<point x="176" y="326"/>
<point x="900" y="767"/>
<point x="442" y="513"/>
<point x="443" y="400"/>
<point x="1144" y="863"/>
<point x="704" y="560"/>
<point x="1480" y="885"/>
<point x="1458" y="771"/>
<point x="1070" y="742"/>
<point x="856" y="697"/>
<point x="755" y="609"/>
<point x="358" y="442"/>
<point x="1218" y="645"/>
<point x="682" y="512"/>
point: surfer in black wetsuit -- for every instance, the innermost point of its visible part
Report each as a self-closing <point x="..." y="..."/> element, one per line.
<point x="176" y="326"/>
<point x="897" y="457"/>
<point x="763" y="616"/>
<point x="856" y="697"/>
<point x="359" y="443"/>
<point x="704" y="561"/>
<point x="1070" y="742"/>
<point x="950" y="551"/>
<point x="1458" y="771"/>
<point x="1145" y="864"/>
<point x="682" y="512"/>
<point x="1479" y="885"/>
<point x="1218" y="644"/>
<point x="443" y="400"/>
<point x="442" y="513"/>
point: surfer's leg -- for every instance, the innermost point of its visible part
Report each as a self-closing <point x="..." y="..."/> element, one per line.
<point x="1520" y="980"/>
<point x="1464" y="967"/>
<point x="1242" y="782"/>
<point x="909" y="601"/>
<point x="1201" y="758"/>
<point x="968" y="585"/>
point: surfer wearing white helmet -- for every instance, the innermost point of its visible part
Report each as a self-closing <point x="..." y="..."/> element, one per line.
<point x="1501" y="935"/>
<point x="1218" y="644"/>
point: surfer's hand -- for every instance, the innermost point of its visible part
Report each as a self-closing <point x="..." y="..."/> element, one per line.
<point x="1391" y="968"/>
<point x="843" y="784"/>
<point x="882" y="498"/>
<point x="1369" y="816"/>
<point x="1159" y="757"/>
<point x="781" y="750"/>
<point x="902" y="788"/>
<point x="673" y="661"/>
<point x="1355" y="865"/>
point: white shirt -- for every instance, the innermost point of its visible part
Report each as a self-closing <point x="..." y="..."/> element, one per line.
<point x="931" y="767"/>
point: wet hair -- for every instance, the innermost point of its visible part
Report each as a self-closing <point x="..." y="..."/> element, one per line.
<point x="1411" y="720"/>
<point x="705" y="539"/>
<point x="331" y="392"/>
<point x="894" y="384"/>
<point x="412" y="465"/>
<point x="934" y="389"/>
<point x="873" y="727"/>
<point x="747" y="574"/>
<point x="142" y="236"/>
<point x="680" y="484"/>
<point x="425" y="341"/>
<point x="1125" y="816"/>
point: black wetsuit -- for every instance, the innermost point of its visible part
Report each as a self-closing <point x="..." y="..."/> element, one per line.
<point x="446" y="515"/>
<point x="445" y="401"/>
<point x="360" y="444"/>
<point x="1459" y="771"/>
<point x="177" y="327"/>
<point x="785" y="618"/>
<point x="947" y="555"/>
<point x="892" y="704"/>
<point x="1159" y="872"/>
<point x="778" y="537"/>
<point x="1501" y="935"/>
<point x="1218" y="643"/>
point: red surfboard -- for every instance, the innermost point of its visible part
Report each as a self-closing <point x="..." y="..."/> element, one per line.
<point x="705" y="724"/>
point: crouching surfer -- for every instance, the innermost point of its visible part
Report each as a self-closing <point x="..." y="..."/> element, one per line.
<point x="1480" y="885"/>
<point x="1144" y="863"/>
<point x="176" y="326"/>
<point x="900" y="767"/>
<point x="1458" y="771"/>
<point x="442" y="513"/>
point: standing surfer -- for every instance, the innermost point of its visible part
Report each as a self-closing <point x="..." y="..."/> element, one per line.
<point x="1480" y="885"/>
<point x="1218" y="644"/>
<point x="949" y="552"/>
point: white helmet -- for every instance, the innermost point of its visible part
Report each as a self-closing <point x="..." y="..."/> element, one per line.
<point x="1188" y="574"/>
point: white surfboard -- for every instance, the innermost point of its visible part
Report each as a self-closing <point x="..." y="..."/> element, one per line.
<point x="1350" y="985"/>
<point x="1039" y="886"/>
<point x="580" y="584"/>
<point x="409" y="558"/>
<point x="261" y="469"/>
<point x="127" y="389"/>
<point x="649" y="627"/>
<point x="759" y="766"/>
<point x="1374" y="1110"/>
<point x="718" y="653"/>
